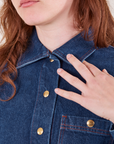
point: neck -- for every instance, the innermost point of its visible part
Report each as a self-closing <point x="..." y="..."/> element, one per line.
<point x="54" y="36"/>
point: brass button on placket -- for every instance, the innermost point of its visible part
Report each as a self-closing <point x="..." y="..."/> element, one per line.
<point x="40" y="131"/>
<point x="51" y="60"/>
<point x="46" y="93"/>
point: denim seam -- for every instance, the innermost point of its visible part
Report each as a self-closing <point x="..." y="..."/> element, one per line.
<point x="51" y="130"/>
<point x="61" y="54"/>
<point x="86" y="54"/>
<point x="21" y="63"/>
<point x="111" y="140"/>
<point x="36" y="104"/>
<point x="64" y="59"/>
<point x="61" y="130"/>
<point x="86" y="127"/>
<point x="85" y="130"/>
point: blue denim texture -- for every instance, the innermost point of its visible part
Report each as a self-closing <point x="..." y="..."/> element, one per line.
<point x="63" y="121"/>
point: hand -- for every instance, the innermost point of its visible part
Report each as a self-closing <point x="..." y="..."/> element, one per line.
<point x="98" y="92"/>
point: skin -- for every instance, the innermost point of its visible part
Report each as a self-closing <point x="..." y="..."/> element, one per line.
<point x="52" y="19"/>
<point x="54" y="25"/>
<point x="97" y="95"/>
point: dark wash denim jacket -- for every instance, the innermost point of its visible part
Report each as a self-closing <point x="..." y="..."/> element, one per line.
<point x="62" y="121"/>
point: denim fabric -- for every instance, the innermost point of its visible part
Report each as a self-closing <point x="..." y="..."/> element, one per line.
<point x="63" y="121"/>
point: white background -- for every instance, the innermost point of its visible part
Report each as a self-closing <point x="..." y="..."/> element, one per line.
<point x="110" y="2"/>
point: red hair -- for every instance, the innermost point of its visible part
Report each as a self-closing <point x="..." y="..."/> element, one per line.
<point x="94" y="14"/>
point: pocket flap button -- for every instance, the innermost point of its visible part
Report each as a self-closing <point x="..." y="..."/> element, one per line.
<point x="90" y="123"/>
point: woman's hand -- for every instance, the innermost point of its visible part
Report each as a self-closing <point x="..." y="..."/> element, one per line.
<point x="98" y="92"/>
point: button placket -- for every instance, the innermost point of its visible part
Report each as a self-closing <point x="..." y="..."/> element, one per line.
<point x="45" y="102"/>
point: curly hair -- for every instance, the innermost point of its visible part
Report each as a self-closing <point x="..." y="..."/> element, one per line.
<point x="87" y="13"/>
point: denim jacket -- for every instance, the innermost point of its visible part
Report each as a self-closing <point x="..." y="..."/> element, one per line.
<point x="37" y="115"/>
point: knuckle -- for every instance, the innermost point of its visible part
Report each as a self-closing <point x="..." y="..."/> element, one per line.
<point x="63" y="73"/>
<point x="69" y="95"/>
<point x="102" y="76"/>
<point x="88" y="92"/>
<point x="73" y="80"/>
<point x="92" y="81"/>
<point x="84" y="102"/>
<point x="90" y="65"/>
<point x="63" y="93"/>
<point x="80" y="66"/>
<point x="95" y="82"/>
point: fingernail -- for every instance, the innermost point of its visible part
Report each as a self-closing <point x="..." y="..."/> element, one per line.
<point x="69" y="56"/>
<point x="56" y="89"/>
<point x="59" y="70"/>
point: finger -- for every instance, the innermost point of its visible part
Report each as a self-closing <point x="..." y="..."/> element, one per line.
<point x="70" y="95"/>
<point x="80" y="67"/>
<point x="106" y="72"/>
<point x="94" y="70"/>
<point x="74" y="81"/>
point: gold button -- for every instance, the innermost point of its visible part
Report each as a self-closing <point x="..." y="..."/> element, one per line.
<point x="51" y="60"/>
<point x="46" y="94"/>
<point x="40" y="131"/>
<point x="90" y="123"/>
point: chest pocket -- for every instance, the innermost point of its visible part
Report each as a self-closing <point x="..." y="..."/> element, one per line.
<point x="84" y="130"/>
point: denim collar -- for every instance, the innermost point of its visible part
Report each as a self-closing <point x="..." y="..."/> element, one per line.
<point x="77" y="46"/>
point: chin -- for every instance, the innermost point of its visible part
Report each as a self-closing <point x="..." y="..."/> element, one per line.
<point x="38" y="21"/>
<point x="32" y="22"/>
